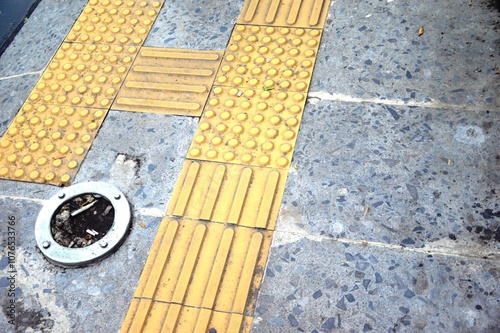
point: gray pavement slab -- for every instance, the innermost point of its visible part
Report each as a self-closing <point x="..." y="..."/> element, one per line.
<point x="323" y="285"/>
<point x="199" y="25"/>
<point x="396" y="175"/>
<point x="372" y="50"/>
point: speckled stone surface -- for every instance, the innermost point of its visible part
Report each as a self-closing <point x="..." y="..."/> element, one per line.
<point x="396" y="175"/>
<point x="200" y="25"/>
<point x="14" y="92"/>
<point x="41" y="35"/>
<point x="371" y="49"/>
<point x="324" y="285"/>
<point x="53" y="299"/>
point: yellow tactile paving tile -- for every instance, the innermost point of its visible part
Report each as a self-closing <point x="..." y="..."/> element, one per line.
<point x="115" y="22"/>
<point x="169" y="81"/>
<point x="291" y="13"/>
<point x="228" y="193"/>
<point x="47" y="143"/>
<point x="249" y="126"/>
<point x="84" y="75"/>
<point x="158" y="318"/>
<point x="203" y="265"/>
<point x="270" y="58"/>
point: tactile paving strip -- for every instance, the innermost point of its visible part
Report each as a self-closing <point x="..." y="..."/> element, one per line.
<point x="84" y="75"/>
<point x="47" y="143"/>
<point x="228" y="193"/>
<point x="270" y="58"/>
<point x="115" y="22"/>
<point x="247" y="126"/>
<point x="292" y="13"/>
<point x="188" y="319"/>
<point x="169" y="81"/>
<point x="202" y="265"/>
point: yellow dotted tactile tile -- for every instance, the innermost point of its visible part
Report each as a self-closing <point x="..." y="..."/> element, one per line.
<point x="47" y="143"/>
<point x="228" y="193"/>
<point x="115" y="22"/>
<point x="85" y="75"/>
<point x="201" y="265"/>
<point x="249" y="126"/>
<point x="292" y="13"/>
<point x="169" y="81"/>
<point x="189" y="319"/>
<point x="270" y="58"/>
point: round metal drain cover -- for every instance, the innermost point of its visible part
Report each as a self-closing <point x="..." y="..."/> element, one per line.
<point x="104" y="245"/>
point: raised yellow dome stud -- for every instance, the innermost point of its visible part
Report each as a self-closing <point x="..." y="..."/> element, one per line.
<point x="242" y="117"/>
<point x="233" y="143"/>
<point x="216" y="141"/>
<point x="27" y="160"/>
<point x="72" y="164"/>
<point x="292" y="122"/>
<point x="250" y="144"/>
<point x="286" y="148"/>
<point x="229" y="156"/>
<point x="34" y="175"/>
<point x="205" y="126"/>
<point x="4" y="171"/>
<point x="199" y="139"/>
<point x="246" y="158"/>
<point x="50" y="176"/>
<point x="282" y="162"/>
<point x="268" y="146"/>
<point x="211" y="154"/>
<point x="65" y="178"/>
<point x="19" y="173"/>
<point x="264" y="160"/>
<point x="209" y="114"/>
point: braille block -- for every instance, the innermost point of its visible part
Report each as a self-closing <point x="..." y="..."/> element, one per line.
<point x="228" y="193"/>
<point x="115" y="22"/>
<point x="249" y="126"/>
<point x="168" y="318"/>
<point x="270" y="58"/>
<point x="205" y="264"/>
<point x="47" y="143"/>
<point x="84" y="75"/>
<point x="169" y="81"/>
<point x="291" y="13"/>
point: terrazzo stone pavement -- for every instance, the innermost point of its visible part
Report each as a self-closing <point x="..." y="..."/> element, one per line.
<point x="390" y="220"/>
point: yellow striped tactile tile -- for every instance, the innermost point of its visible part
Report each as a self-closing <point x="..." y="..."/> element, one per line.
<point x="228" y="193"/>
<point x="190" y="320"/>
<point x="278" y="58"/>
<point x="200" y="265"/>
<point x="115" y="22"/>
<point x="169" y="81"/>
<point x="292" y="13"/>
<point x="249" y="126"/>
<point x="84" y="75"/>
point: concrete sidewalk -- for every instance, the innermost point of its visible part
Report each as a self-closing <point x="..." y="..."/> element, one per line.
<point x="390" y="220"/>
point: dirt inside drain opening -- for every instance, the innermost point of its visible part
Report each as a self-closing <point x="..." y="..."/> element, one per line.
<point x="82" y="220"/>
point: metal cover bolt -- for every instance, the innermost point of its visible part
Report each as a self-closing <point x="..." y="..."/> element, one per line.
<point x="103" y="244"/>
<point x="46" y="244"/>
<point x="118" y="196"/>
<point x="61" y="195"/>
